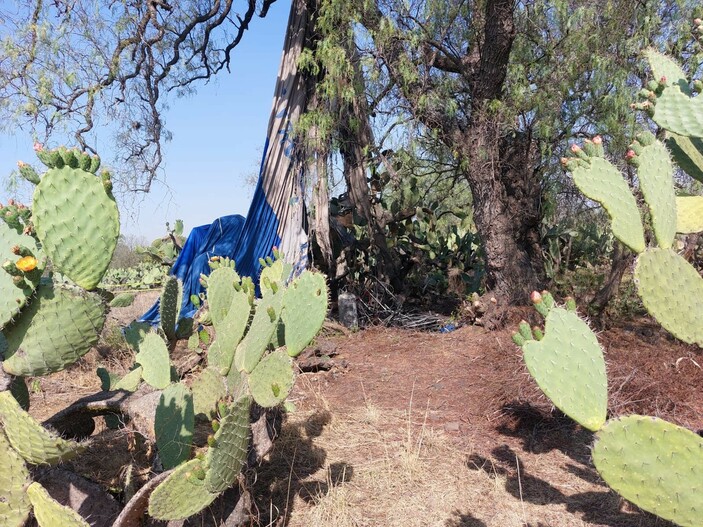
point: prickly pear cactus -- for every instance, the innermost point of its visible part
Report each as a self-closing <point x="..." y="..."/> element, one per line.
<point x="602" y="182"/>
<point x="668" y="285"/>
<point x="30" y="439"/>
<point x="154" y="359"/>
<point x="50" y="513"/>
<point x="304" y="311"/>
<point x="208" y="388"/>
<point x="76" y="220"/>
<point x="263" y="326"/>
<point x="229" y="446"/>
<point x="568" y="364"/>
<point x="182" y="494"/>
<point x="17" y="285"/>
<point x="689" y="214"/>
<point x="655" y="464"/>
<point x="272" y="379"/>
<point x="672" y="291"/>
<point x="243" y="367"/>
<point x="59" y="326"/>
<point x="174" y="424"/>
<point x="170" y="306"/>
<point x="14" y="478"/>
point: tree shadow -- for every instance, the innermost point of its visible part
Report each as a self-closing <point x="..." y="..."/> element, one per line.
<point x="464" y="520"/>
<point x="295" y="458"/>
<point x="601" y="508"/>
<point x="541" y="432"/>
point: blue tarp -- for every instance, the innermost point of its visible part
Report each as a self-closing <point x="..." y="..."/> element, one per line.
<point x="217" y="239"/>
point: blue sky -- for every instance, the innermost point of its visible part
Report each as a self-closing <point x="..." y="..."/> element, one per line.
<point x="218" y="136"/>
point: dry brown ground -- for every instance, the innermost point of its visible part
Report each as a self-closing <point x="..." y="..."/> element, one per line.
<point x="428" y="429"/>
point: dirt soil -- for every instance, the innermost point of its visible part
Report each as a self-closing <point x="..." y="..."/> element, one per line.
<point x="432" y="429"/>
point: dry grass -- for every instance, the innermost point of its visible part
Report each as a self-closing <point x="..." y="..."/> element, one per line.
<point x="371" y="468"/>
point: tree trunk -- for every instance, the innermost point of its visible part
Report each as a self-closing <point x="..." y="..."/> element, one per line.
<point x="499" y="165"/>
<point x="506" y="189"/>
<point x="506" y="199"/>
<point x="622" y="258"/>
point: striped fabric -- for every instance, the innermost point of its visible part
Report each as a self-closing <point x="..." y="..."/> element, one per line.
<point x="277" y="216"/>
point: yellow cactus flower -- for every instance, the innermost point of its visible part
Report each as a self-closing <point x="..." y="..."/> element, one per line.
<point x="27" y="263"/>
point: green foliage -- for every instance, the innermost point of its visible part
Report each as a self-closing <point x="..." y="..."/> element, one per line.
<point x="144" y="275"/>
<point x="165" y="250"/>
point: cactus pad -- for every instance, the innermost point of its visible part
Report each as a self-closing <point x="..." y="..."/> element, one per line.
<point x="672" y="291"/>
<point x="19" y="390"/>
<point x="153" y="358"/>
<point x="657" y="183"/>
<point x="122" y="300"/>
<point x="59" y="326"/>
<point x="261" y="331"/>
<point x="30" y="439"/>
<point x="77" y="223"/>
<point x="220" y="291"/>
<point x="689" y="214"/>
<point x="181" y="495"/>
<point x="173" y="425"/>
<point x="569" y="367"/>
<point x="602" y="182"/>
<point x="134" y="333"/>
<point x="207" y="388"/>
<point x="14" y="477"/>
<point x="304" y="310"/>
<point x="656" y="465"/>
<point x="130" y="382"/>
<point x="170" y="306"/>
<point x="12" y="297"/>
<point x="678" y="112"/>
<point x="49" y="512"/>
<point x="228" y="332"/>
<point x="229" y="452"/>
<point x="687" y="153"/>
<point x="272" y="379"/>
<point x="663" y="66"/>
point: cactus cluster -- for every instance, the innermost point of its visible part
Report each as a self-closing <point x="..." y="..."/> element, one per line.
<point x="655" y="464"/>
<point x="49" y="322"/>
<point x="249" y="362"/>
